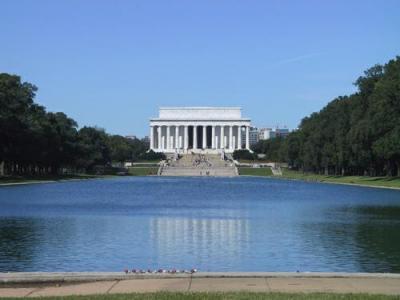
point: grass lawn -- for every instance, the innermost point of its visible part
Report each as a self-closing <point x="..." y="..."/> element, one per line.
<point x="362" y="180"/>
<point x="142" y="171"/>
<point x="255" y="171"/>
<point x="250" y="161"/>
<point x="155" y="161"/>
<point x="225" y="296"/>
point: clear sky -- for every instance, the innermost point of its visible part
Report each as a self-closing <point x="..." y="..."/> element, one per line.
<point x="113" y="63"/>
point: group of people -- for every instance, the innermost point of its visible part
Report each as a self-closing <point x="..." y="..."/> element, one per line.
<point x="201" y="160"/>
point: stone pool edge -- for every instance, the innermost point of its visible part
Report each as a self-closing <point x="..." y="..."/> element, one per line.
<point x="323" y="182"/>
<point x="73" y="277"/>
<point x="22" y="183"/>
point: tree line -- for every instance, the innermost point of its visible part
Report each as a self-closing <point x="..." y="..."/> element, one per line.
<point x="357" y="134"/>
<point x="36" y="142"/>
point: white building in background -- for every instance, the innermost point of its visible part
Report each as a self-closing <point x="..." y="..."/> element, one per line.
<point x="196" y="129"/>
<point x="266" y="134"/>
<point x="269" y="133"/>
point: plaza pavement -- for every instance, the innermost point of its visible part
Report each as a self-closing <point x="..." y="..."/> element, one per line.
<point x="64" y="284"/>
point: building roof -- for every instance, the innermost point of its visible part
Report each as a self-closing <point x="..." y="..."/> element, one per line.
<point x="200" y="113"/>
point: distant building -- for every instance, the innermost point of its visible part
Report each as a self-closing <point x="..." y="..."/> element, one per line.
<point x="131" y="137"/>
<point x="266" y="134"/>
<point x="282" y="132"/>
<point x="146" y="139"/>
<point x="253" y="136"/>
<point x="269" y="133"/>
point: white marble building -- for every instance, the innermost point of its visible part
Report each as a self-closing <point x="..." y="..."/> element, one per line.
<point x="196" y="129"/>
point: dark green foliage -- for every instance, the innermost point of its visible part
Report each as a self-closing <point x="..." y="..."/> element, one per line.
<point x="353" y="135"/>
<point x="151" y="155"/>
<point x="272" y="148"/>
<point x="36" y="142"/>
<point x="244" y="154"/>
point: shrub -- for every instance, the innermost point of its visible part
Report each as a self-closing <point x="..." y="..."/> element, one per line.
<point x="151" y="155"/>
<point x="244" y="154"/>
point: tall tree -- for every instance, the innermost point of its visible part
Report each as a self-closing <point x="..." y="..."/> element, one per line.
<point x="357" y="134"/>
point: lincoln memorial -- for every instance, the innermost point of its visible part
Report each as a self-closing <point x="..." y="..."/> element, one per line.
<point x="199" y="129"/>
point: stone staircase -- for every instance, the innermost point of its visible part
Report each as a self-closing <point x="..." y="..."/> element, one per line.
<point x="276" y="169"/>
<point x="199" y="165"/>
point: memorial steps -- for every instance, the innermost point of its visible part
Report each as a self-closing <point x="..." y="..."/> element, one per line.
<point x="199" y="165"/>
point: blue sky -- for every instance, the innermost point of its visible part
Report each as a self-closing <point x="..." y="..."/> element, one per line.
<point x="113" y="63"/>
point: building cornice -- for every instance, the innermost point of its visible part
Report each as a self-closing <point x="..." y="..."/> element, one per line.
<point x="198" y="120"/>
<point x="200" y="107"/>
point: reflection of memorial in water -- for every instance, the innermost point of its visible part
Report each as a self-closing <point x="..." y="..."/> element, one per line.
<point x="203" y="240"/>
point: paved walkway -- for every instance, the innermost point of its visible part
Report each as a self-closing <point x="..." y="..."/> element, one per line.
<point x="205" y="282"/>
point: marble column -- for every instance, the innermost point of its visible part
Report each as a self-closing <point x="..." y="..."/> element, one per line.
<point x="194" y="137"/>
<point x="204" y="137"/>
<point x="151" y="137"/>
<point x="186" y="138"/>
<point x="213" y="137"/>
<point x="239" y="144"/>
<point x="168" y="137"/>
<point x="176" y="137"/>
<point x="247" y="138"/>
<point x="230" y="137"/>
<point x="159" y="128"/>
<point x="222" y="137"/>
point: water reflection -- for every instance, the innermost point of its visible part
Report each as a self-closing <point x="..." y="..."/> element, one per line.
<point x="365" y="238"/>
<point x="18" y="243"/>
<point x="200" y="239"/>
<point x="377" y="235"/>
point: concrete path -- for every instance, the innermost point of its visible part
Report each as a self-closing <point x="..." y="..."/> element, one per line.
<point x="39" y="285"/>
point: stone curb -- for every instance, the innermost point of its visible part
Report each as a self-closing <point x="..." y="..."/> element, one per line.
<point x="74" y="277"/>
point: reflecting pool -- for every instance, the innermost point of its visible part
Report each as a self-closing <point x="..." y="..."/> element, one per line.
<point x="212" y="224"/>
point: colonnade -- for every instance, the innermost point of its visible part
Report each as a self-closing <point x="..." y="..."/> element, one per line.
<point x="170" y="137"/>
